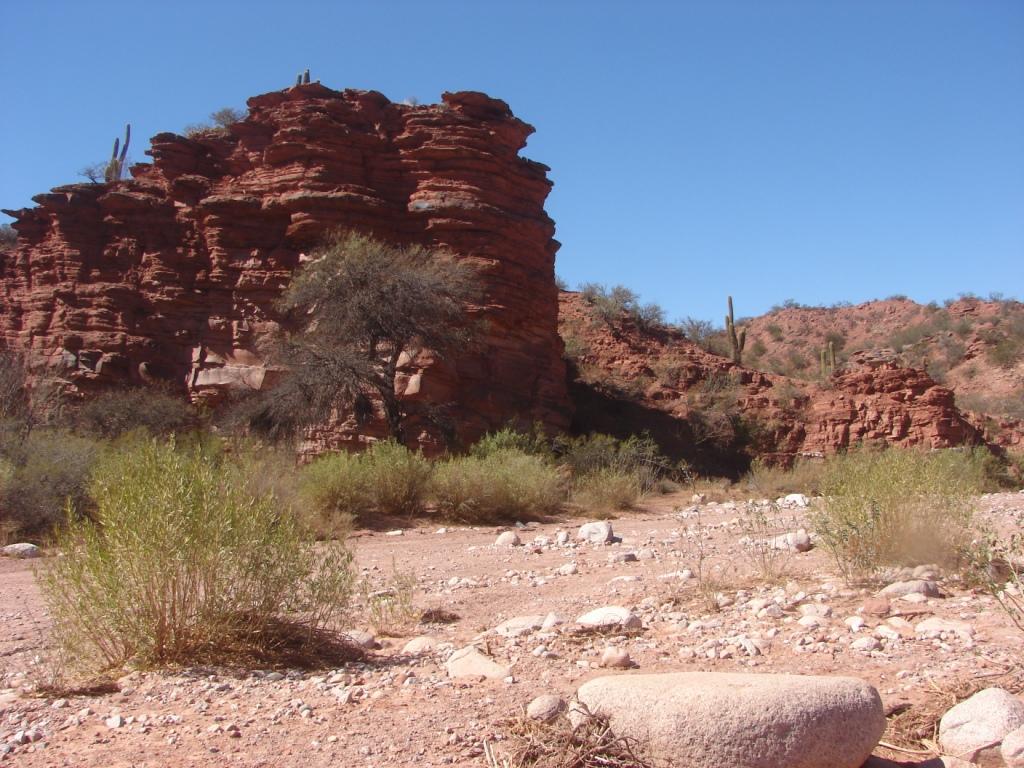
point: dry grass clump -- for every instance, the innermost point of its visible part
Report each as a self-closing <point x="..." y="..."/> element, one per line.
<point x="607" y="490"/>
<point x="898" y="507"/>
<point x="762" y="526"/>
<point x="180" y="563"/>
<point x="591" y="744"/>
<point x="916" y="728"/>
<point x="774" y="481"/>
<point x="386" y="481"/>
<point x="505" y="484"/>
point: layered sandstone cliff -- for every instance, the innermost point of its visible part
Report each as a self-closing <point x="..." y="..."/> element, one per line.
<point x="720" y="415"/>
<point x="172" y="275"/>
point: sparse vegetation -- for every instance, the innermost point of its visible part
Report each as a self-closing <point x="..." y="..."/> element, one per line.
<point x="898" y="507"/>
<point x="47" y="477"/>
<point x="698" y="331"/>
<point x="8" y="235"/>
<point x="762" y="525"/>
<point x="180" y="564"/>
<point x="355" y="309"/>
<point x="218" y="122"/>
<point x="115" y="412"/>
<point x="343" y="488"/>
<point x="612" y="304"/>
<point x="607" y="490"/>
<point x="503" y="485"/>
<point x="771" y="481"/>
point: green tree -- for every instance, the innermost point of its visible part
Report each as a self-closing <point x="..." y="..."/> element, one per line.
<point x="351" y="312"/>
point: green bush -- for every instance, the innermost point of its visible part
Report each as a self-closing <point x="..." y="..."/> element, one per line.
<point x="386" y="480"/>
<point x="773" y="481"/>
<point x="504" y="485"/>
<point x="898" y="507"/>
<point x="47" y="472"/>
<point x="180" y="564"/>
<point x="116" y="412"/>
<point x="533" y="442"/>
<point x="607" y="490"/>
<point x="612" y="304"/>
<point x="639" y="456"/>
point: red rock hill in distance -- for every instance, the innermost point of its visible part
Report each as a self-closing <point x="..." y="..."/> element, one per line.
<point x="172" y="275"/>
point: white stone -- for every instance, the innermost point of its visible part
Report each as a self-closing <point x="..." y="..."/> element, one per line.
<point x="365" y="640"/>
<point x="599" y="532"/>
<point x="519" y="626"/>
<point x="866" y="643"/>
<point x="974" y="728"/>
<point x="1012" y="750"/>
<point x="610" y="616"/>
<point x="418" y="645"/>
<point x="470" y="662"/>
<point x="936" y="626"/>
<point x="617" y="658"/>
<point x="508" y="539"/>
<point x="545" y="708"/>
<point x="22" y="550"/>
<point x="794" y="500"/>
<point x="912" y="587"/>
<point x="711" y="720"/>
<point x="569" y="569"/>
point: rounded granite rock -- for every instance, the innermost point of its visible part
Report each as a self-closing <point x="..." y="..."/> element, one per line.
<point x="713" y="719"/>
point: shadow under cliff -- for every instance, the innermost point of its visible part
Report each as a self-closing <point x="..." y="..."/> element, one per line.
<point x="601" y="411"/>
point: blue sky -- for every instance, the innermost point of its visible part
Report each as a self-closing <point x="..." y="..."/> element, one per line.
<point x="819" y="150"/>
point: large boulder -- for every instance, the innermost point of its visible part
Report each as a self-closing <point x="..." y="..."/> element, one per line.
<point x="22" y="550"/>
<point x="713" y="719"/>
<point x="975" y="728"/>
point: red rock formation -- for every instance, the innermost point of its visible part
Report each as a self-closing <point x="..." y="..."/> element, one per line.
<point x="172" y="275"/>
<point x="659" y="381"/>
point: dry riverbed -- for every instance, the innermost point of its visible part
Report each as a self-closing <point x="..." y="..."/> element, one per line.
<point x="402" y="707"/>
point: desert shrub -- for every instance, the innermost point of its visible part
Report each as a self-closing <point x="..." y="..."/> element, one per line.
<point x="897" y="507"/>
<point x="1004" y="351"/>
<point x="607" y="490"/>
<point x="504" y="485"/>
<point x="775" y="331"/>
<point x="116" y="412"/>
<point x="611" y="304"/>
<point x="48" y="473"/>
<point x="772" y="481"/>
<point x="637" y="455"/>
<point x="180" y="564"/>
<point x="998" y="565"/>
<point x="218" y="122"/>
<point x="836" y="339"/>
<point x="575" y="347"/>
<point x="534" y="442"/>
<point x="8" y="235"/>
<point x="389" y="602"/>
<point x="1010" y="405"/>
<point x="696" y="330"/>
<point x="386" y="480"/>
<point x="762" y="525"/>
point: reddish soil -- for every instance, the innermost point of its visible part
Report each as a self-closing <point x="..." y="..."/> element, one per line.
<point x="395" y="709"/>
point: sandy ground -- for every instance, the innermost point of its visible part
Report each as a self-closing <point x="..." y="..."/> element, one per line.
<point x="402" y="709"/>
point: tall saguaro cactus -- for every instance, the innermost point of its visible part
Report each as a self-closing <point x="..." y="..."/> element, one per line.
<point x="736" y="341"/>
<point x="828" y="360"/>
<point x="115" y="167"/>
